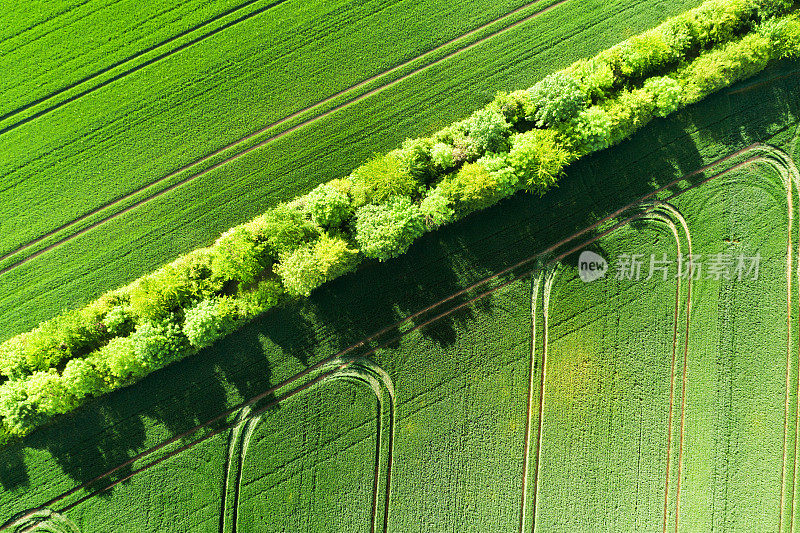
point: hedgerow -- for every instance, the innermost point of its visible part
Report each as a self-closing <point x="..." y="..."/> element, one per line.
<point x="522" y="140"/>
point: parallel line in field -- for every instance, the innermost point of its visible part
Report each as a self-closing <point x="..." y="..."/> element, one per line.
<point x="268" y="140"/>
<point x="54" y="16"/>
<point x="427" y="322"/>
<point x="131" y="59"/>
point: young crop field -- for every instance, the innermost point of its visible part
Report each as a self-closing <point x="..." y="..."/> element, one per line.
<point x="476" y="383"/>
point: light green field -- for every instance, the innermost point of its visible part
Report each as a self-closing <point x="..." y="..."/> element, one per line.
<point x="462" y="432"/>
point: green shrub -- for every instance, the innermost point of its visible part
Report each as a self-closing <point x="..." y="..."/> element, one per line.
<point x="784" y="34"/>
<point x="157" y="344"/>
<point x="381" y="178"/>
<point x="329" y="203"/>
<point x="489" y="130"/>
<point x="645" y="53"/>
<point x="770" y="8"/>
<point x="589" y="132"/>
<point x="723" y="66"/>
<point x="511" y="105"/>
<point x="14" y="357"/>
<point x="208" y="321"/>
<point x="475" y="187"/>
<point x="238" y="255"/>
<point x="120" y="359"/>
<point x="628" y="111"/>
<point x="311" y="265"/>
<point x="717" y="21"/>
<point x="81" y="379"/>
<point x="555" y="99"/>
<point x="48" y="393"/>
<point x="156" y="295"/>
<point x="415" y="159"/>
<point x="119" y="321"/>
<point x="595" y="77"/>
<point x="436" y="210"/>
<point x="681" y="35"/>
<point x="442" y="157"/>
<point x="537" y="159"/>
<point x="266" y="294"/>
<point x="19" y="412"/>
<point x="666" y="93"/>
<point x="283" y="230"/>
<point x="387" y="230"/>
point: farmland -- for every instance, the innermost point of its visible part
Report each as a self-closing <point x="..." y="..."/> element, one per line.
<point x="136" y="241"/>
<point x="594" y="387"/>
<point x="530" y="401"/>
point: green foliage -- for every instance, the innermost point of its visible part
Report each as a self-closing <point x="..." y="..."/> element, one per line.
<point x="723" y="66"/>
<point x="442" y="157"/>
<point x="47" y="391"/>
<point x="594" y="76"/>
<point x="283" y="230"/>
<point x="718" y="21"/>
<point x="415" y="159"/>
<point x="119" y="363"/>
<point x="265" y="295"/>
<point x="208" y="321"/>
<point x="666" y="93"/>
<point x="645" y="53"/>
<point x="20" y="413"/>
<point x="537" y="159"/>
<point x="155" y="296"/>
<point x="381" y="178"/>
<point x="784" y="34"/>
<point x="489" y="130"/>
<point x="82" y="380"/>
<point x="771" y="8"/>
<point x="118" y="321"/>
<point x="511" y="105"/>
<point x="476" y="187"/>
<point x="329" y="203"/>
<point x="387" y="230"/>
<point x="436" y="210"/>
<point x="555" y="99"/>
<point x="238" y="256"/>
<point x="157" y="344"/>
<point x="589" y="132"/>
<point x="628" y="111"/>
<point x="310" y="266"/>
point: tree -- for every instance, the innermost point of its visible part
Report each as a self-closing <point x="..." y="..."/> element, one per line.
<point x="387" y="230"/>
<point x="555" y="99"/>
<point x="489" y="130"/>
<point x="207" y="321"/>
<point x="537" y="159"/>
<point x="311" y="265"/>
<point x="329" y="204"/>
<point x="381" y="178"/>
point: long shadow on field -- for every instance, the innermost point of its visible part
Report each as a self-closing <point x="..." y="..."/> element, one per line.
<point x="284" y="342"/>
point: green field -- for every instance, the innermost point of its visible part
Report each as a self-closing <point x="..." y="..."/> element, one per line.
<point x="529" y="402"/>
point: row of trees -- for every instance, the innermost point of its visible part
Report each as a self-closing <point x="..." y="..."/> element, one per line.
<point x="520" y="141"/>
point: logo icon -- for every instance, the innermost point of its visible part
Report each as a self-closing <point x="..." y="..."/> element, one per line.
<point x="591" y="266"/>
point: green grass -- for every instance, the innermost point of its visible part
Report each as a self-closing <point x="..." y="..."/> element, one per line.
<point x="462" y="383"/>
<point x="193" y="214"/>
